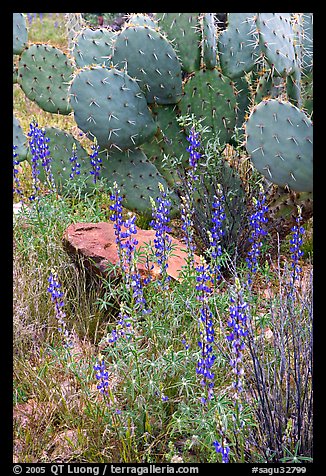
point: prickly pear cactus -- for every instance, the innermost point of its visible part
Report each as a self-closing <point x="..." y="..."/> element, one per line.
<point x="19" y="140"/>
<point x="136" y="177"/>
<point x="20" y="34"/>
<point x="44" y="73"/>
<point x="145" y="54"/>
<point x="280" y="142"/>
<point x="276" y="37"/>
<point x="93" y="47"/>
<point x="210" y="96"/>
<point x="138" y="19"/>
<point x="237" y="45"/>
<point x="209" y="41"/>
<point x="109" y="105"/>
<point x="184" y="31"/>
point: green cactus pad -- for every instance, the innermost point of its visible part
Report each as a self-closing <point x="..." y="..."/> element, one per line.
<point x="243" y="97"/>
<point x="61" y="147"/>
<point x="276" y="37"/>
<point x="280" y="142"/>
<point x="237" y="45"/>
<point x="109" y="105"/>
<point x="137" y="179"/>
<point x="307" y="43"/>
<point x="19" y="140"/>
<point x="93" y="47"/>
<point x="138" y="19"/>
<point x="209" y="41"/>
<point x="44" y="73"/>
<point x="146" y="55"/>
<point x="184" y="31"/>
<point x="20" y="35"/>
<point x="269" y="87"/>
<point x="210" y="96"/>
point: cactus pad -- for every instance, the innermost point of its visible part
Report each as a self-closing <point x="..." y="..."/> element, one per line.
<point x="184" y="31"/>
<point x="276" y="37"/>
<point x="237" y="45"/>
<point x="210" y="95"/>
<point x="209" y="40"/>
<point x="19" y="33"/>
<point x="44" y="73"/>
<point x="19" y="140"/>
<point x="93" y="46"/>
<point x="280" y="142"/>
<point x="109" y="105"/>
<point x="147" y="56"/>
<point x="137" y="179"/>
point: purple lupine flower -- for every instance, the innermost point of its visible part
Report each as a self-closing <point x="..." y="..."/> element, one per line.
<point x="17" y="187"/>
<point x="257" y="221"/>
<point x="297" y="233"/>
<point x="216" y="233"/>
<point x="238" y="330"/>
<point x="39" y="148"/>
<point x="95" y="161"/>
<point x="160" y="223"/>
<point x="126" y="244"/>
<point x="224" y="450"/>
<point x="54" y="289"/>
<point x="194" y="144"/>
<point x="75" y="165"/>
<point x="206" y="334"/>
<point x="102" y="376"/>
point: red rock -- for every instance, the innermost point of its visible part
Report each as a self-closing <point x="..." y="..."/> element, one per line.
<point x="95" y="244"/>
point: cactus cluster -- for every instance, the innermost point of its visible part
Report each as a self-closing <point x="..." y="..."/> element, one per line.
<point x="127" y="89"/>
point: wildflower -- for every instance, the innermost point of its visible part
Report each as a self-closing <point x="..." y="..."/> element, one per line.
<point x="126" y="243"/>
<point x="257" y="220"/>
<point x="54" y="289"/>
<point x="224" y="450"/>
<point x="160" y="221"/>
<point x="296" y="242"/>
<point x="40" y="157"/>
<point x="238" y="330"/>
<point x="95" y="161"/>
<point x="75" y="165"/>
<point x="216" y="233"/>
<point x="102" y="376"/>
<point x="206" y="333"/>
<point x="194" y="155"/>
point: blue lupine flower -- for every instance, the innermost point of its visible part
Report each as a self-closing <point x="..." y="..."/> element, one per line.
<point x="54" y="289"/>
<point x="295" y="248"/>
<point x="126" y="244"/>
<point x="160" y="223"/>
<point x="257" y="220"/>
<point x="216" y="233"/>
<point x="38" y="144"/>
<point x="224" y="450"/>
<point x="75" y="165"/>
<point x="206" y="333"/>
<point x="102" y="376"/>
<point x="95" y="160"/>
<point x="238" y="330"/>
<point x="194" y="155"/>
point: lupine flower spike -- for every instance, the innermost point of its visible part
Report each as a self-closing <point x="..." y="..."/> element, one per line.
<point x="54" y="289"/>
<point x="160" y="223"/>
<point x="257" y="221"/>
<point x="95" y="161"/>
